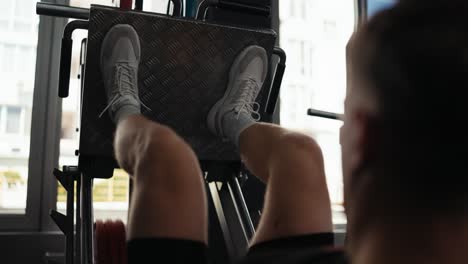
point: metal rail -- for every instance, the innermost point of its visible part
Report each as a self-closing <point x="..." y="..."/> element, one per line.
<point x="47" y="9"/>
<point x="66" y="55"/>
<point x="277" y="80"/>
<point x="87" y="220"/>
<point x="236" y="191"/>
<point x="324" y="114"/>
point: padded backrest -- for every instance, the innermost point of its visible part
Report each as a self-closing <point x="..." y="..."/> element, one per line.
<point x="183" y="72"/>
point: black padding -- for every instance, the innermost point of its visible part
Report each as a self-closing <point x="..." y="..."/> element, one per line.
<point x="238" y="18"/>
<point x="166" y="250"/>
<point x="183" y="72"/>
<point x="252" y="2"/>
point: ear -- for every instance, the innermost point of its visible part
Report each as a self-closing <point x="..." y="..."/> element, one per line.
<point x="360" y="138"/>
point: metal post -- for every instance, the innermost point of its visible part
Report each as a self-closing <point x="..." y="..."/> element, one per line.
<point x="222" y="218"/>
<point x="190" y="8"/>
<point x="86" y="220"/>
<point x="234" y="220"/>
<point x="78" y="222"/>
<point x="236" y="192"/>
<point x="139" y="5"/>
<point x="70" y="248"/>
<point x="277" y="80"/>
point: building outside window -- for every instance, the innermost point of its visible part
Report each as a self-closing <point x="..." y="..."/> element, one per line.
<point x="314" y="40"/>
<point x="13" y="119"/>
<point x="18" y="42"/>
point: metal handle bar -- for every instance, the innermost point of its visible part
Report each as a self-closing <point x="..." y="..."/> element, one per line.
<point x="256" y="9"/>
<point x="203" y="7"/>
<point x="324" y="114"/>
<point x="66" y="55"/>
<point x="47" y="9"/>
<point x="178" y="8"/>
<point x="277" y="80"/>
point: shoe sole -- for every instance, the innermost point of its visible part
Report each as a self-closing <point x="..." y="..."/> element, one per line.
<point x="236" y="68"/>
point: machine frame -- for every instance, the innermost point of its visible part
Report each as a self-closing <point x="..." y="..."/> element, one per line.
<point x="226" y="200"/>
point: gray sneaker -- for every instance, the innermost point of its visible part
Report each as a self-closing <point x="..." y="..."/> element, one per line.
<point x="246" y="78"/>
<point x="120" y="57"/>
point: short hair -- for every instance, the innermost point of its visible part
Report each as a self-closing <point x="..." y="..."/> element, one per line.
<point x="414" y="59"/>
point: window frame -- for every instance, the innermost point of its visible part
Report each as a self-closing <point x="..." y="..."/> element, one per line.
<point x="44" y="140"/>
<point x="360" y="7"/>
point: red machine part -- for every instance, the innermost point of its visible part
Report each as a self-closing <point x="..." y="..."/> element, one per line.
<point x="110" y="242"/>
<point x="126" y="4"/>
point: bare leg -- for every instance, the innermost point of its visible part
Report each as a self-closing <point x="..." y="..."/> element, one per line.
<point x="291" y="164"/>
<point x="169" y="198"/>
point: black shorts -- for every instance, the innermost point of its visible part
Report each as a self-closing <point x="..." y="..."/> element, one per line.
<point x="318" y="248"/>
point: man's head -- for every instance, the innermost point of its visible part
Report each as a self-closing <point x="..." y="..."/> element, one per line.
<point x="405" y="135"/>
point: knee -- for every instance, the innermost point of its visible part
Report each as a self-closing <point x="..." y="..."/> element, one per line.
<point x="153" y="146"/>
<point x="297" y="145"/>
<point x="300" y="157"/>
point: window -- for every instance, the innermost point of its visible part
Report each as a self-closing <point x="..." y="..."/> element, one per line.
<point x="374" y="6"/>
<point x="311" y="61"/>
<point x="292" y="8"/>
<point x="23" y="8"/>
<point x="302" y="57"/>
<point x="6" y="9"/>
<point x="17" y="63"/>
<point x="304" y="5"/>
<point x="13" y="120"/>
<point x="8" y="58"/>
<point x="5" y="14"/>
<point x="316" y="78"/>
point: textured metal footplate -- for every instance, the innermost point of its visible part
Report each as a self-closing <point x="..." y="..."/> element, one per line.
<point x="183" y="72"/>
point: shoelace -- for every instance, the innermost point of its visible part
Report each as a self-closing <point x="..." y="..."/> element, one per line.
<point x="246" y="102"/>
<point x="123" y="70"/>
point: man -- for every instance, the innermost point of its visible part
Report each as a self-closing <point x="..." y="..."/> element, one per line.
<point x="403" y="152"/>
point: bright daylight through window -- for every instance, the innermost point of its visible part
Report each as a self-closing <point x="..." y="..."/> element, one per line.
<point x="314" y="34"/>
<point x="18" y="41"/>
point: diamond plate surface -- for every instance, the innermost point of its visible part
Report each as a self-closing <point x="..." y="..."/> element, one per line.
<point x="183" y="72"/>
